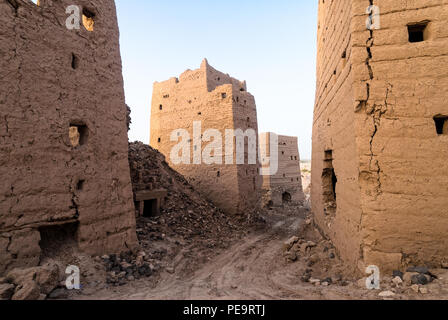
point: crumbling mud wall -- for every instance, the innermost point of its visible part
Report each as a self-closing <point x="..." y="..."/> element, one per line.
<point x="285" y="187"/>
<point x="63" y="135"/>
<point x="218" y="102"/>
<point x="379" y="173"/>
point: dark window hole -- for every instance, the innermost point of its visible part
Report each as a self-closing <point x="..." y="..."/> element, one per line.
<point x="75" y="62"/>
<point x="78" y="134"/>
<point x="286" y="197"/>
<point x="441" y="123"/>
<point x="58" y="240"/>
<point x="417" y="32"/>
<point x="88" y="19"/>
<point x="80" y="185"/>
<point x="150" y="208"/>
<point x="329" y="183"/>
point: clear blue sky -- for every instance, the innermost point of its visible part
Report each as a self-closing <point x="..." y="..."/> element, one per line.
<point x="269" y="43"/>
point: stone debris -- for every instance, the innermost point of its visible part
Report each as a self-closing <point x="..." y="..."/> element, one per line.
<point x="386" y="294"/>
<point x="185" y="213"/>
<point x="184" y="219"/>
<point x="444" y="264"/>
<point x="397" y="281"/>
<point x="398" y="273"/>
<point x="290" y="256"/>
<point x="128" y="267"/>
<point x="424" y="290"/>
<point x="421" y="279"/>
<point x="318" y="254"/>
<point x="30" y="284"/>
<point x="323" y="266"/>
<point x="422" y="270"/>
<point x="58" y="293"/>
<point x="407" y="277"/>
<point x="361" y="283"/>
<point x="415" y="288"/>
<point x="288" y="244"/>
<point x="6" y="291"/>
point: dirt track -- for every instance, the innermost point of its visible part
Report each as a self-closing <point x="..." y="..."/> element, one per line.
<point x="253" y="268"/>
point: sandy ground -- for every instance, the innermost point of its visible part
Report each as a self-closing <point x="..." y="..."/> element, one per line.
<point x="305" y="167"/>
<point x="254" y="267"/>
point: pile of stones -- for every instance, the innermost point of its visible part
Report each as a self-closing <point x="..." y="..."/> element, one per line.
<point x="37" y="283"/>
<point x="128" y="267"/>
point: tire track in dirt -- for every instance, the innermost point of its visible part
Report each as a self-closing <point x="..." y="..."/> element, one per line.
<point x="253" y="268"/>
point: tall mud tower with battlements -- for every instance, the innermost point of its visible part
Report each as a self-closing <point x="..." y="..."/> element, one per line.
<point x="63" y="137"/>
<point x="213" y="103"/>
<point x="380" y="136"/>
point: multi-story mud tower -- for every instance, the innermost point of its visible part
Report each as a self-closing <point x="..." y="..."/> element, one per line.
<point x="63" y="135"/>
<point x="208" y="105"/>
<point x="380" y="137"/>
<point x="285" y="186"/>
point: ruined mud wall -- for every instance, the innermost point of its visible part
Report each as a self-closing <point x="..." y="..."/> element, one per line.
<point x="218" y="102"/>
<point x="403" y="168"/>
<point x="391" y="190"/>
<point x="286" y="185"/>
<point x="334" y="143"/>
<point x="51" y="79"/>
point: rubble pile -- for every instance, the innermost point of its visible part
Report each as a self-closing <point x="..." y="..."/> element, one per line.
<point x="129" y="267"/>
<point x="35" y="283"/>
<point x="185" y="213"/>
<point x="322" y="265"/>
<point x="186" y="219"/>
<point x="416" y="280"/>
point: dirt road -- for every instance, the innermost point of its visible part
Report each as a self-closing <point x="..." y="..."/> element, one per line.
<point x="253" y="268"/>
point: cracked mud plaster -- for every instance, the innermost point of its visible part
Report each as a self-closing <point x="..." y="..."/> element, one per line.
<point x="388" y="157"/>
<point x="35" y="119"/>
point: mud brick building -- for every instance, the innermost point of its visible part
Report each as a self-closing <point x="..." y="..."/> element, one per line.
<point x="380" y="139"/>
<point x="63" y="138"/>
<point x="218" y="102"/>
<point x="286" y="185"/>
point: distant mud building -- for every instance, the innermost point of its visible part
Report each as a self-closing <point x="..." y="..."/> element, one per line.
<point x="219" y="103"/>
<point x="63" y="138"/>
<point x="380" y="136"/>
<point x="285" y="187"/>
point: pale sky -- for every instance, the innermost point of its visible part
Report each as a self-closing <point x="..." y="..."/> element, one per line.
<point x="270" y="44"/>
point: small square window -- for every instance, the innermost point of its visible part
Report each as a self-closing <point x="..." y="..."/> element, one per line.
<point x="417" y="32"/>
<point x="78" y="134"/>
<point x="441" y="123"/>
<point x="80" y="185"/>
